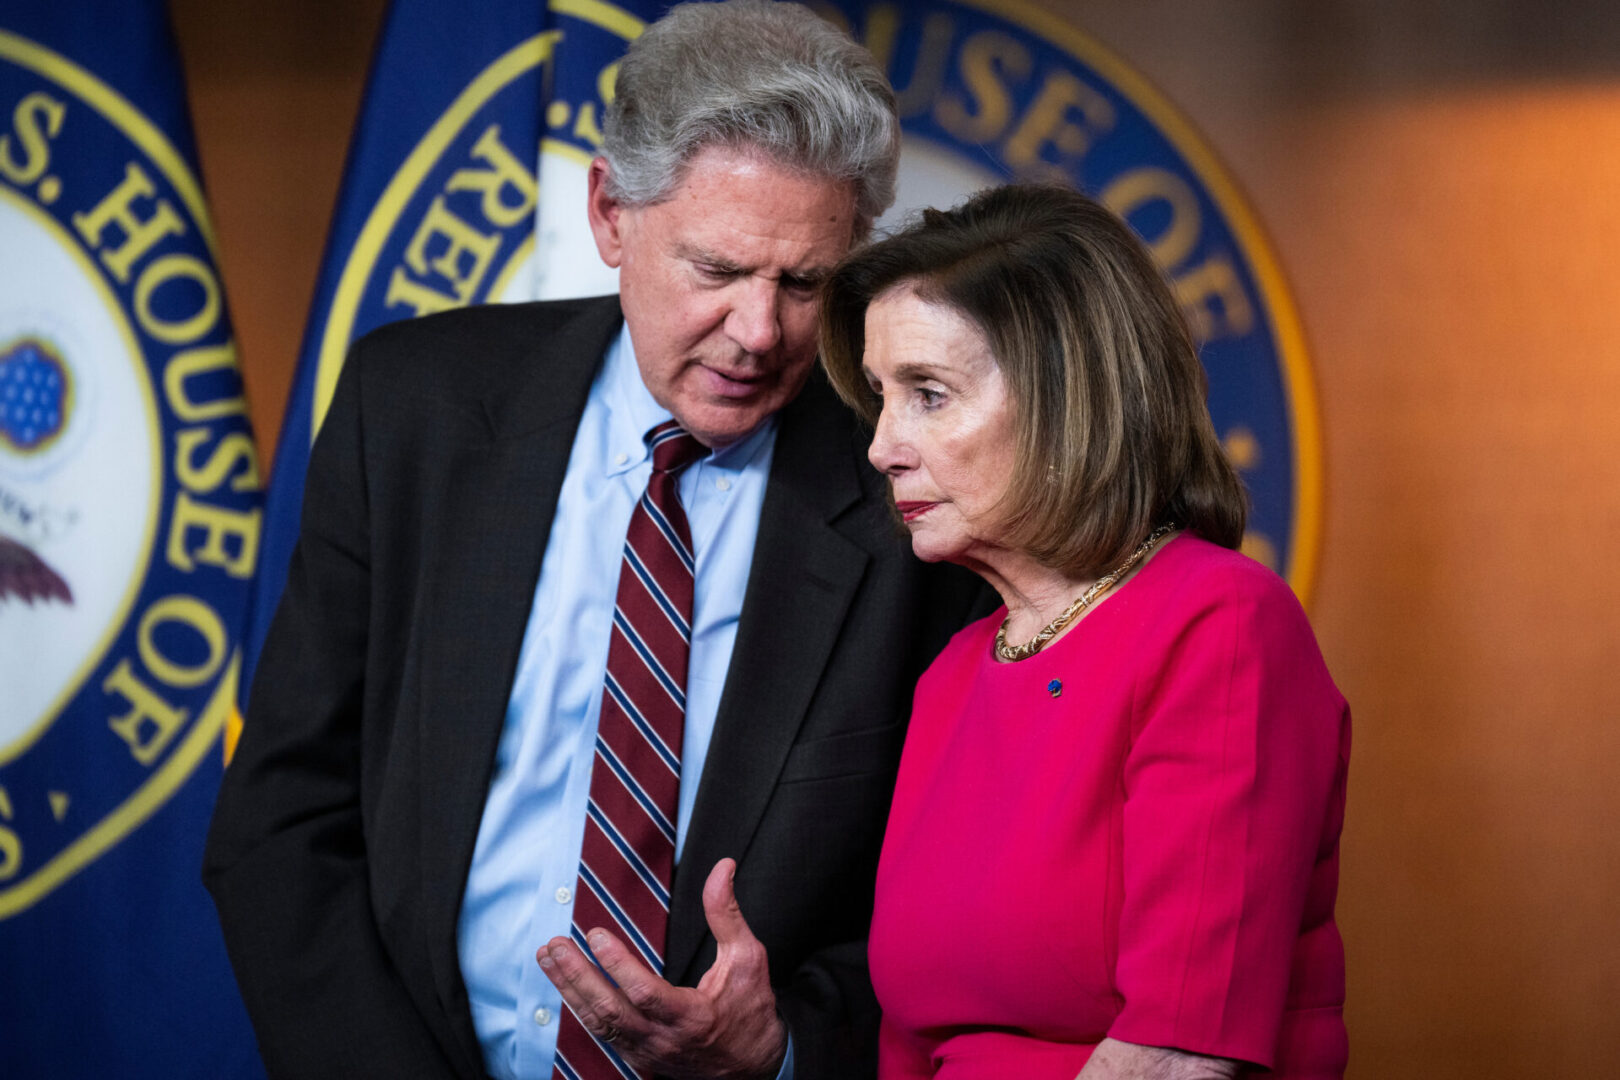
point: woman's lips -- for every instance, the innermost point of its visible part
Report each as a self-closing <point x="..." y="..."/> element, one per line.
<point x="911" y="511"/>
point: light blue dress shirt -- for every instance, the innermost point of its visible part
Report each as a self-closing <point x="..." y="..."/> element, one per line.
<point x="519" y="892"/>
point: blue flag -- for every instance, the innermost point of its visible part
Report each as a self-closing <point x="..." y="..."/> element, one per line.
<point x="477" y="125"/>
<point x="129" y="536"/>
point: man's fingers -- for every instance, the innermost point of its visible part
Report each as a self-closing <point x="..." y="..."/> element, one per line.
<point x="720" y="906"/>
<point x="648" y="994"/>
<point x="600" y="1006"/>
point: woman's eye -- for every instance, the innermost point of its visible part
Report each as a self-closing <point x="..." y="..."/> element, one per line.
<point x="930" y="398"/>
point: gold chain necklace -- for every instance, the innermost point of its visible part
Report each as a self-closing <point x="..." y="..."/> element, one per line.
<point x="1034" y="645"/>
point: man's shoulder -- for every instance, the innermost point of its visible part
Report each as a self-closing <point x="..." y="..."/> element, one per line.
<point x="485" y="346"/>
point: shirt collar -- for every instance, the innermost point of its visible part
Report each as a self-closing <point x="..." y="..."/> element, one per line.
<point x="634" y="412"/>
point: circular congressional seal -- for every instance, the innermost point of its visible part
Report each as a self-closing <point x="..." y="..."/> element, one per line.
<point x="128" y="489"/>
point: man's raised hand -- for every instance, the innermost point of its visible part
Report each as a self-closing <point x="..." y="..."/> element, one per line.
<point x="725" y="1027"/>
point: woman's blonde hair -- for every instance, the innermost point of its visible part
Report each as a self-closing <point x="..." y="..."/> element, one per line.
<point x="1114" y="435"/>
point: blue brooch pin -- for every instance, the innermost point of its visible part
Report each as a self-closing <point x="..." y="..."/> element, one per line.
<point x="1055" y="688"/>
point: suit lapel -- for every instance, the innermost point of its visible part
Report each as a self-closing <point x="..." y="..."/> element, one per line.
<point x="498" y="500"/>
<point x="803" y="577"/>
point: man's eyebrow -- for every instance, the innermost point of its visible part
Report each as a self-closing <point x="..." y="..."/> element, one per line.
<point x="706" y="257"/>
<point x="814" y="275"/>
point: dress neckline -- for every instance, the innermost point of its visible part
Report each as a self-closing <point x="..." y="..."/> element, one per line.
<point x="1102" y="611"/>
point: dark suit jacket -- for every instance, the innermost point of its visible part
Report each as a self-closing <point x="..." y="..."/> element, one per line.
<point x="345" y="827"/>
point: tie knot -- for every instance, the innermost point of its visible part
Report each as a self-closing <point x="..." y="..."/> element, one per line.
<point x="673" y="447"/>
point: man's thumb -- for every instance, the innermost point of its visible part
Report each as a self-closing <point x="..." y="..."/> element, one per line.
<point x="725" y="917"/>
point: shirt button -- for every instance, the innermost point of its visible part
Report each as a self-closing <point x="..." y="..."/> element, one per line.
<point x="564" y="895"/>
<point x="542" y="1016"/>
<point x="621" y="459"/>
<point x="722" y="483"/>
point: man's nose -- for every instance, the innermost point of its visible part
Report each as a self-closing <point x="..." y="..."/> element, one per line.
<point x="755" y="321"/>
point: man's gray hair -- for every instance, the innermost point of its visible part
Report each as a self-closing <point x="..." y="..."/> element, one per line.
<point x="751" y="74"/>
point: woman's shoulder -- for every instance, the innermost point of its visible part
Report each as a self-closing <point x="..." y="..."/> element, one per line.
<point x="1219" y="614"/>
<point x="1194" y="589"/>
<point x="1214" y="598"/>
<point x="1192" y="571"/>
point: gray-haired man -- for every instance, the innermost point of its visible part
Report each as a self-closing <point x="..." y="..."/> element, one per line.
<point x="431" y="784"/>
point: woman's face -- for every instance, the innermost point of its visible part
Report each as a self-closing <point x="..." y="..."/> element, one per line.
<point x="945" y="436"/>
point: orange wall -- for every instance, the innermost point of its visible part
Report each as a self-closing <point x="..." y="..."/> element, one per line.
<point x="1442" y="183"/>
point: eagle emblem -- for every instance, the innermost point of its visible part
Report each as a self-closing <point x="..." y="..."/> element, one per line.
<point x="27" y="577"/>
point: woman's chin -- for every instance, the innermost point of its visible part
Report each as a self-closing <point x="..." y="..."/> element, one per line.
<point x="929" y="549"/>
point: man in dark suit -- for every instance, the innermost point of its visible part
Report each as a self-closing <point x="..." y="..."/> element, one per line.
<point x="396" y="843"/>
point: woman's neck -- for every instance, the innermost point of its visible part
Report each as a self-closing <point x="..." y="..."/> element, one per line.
<point x="1036" y="594"/>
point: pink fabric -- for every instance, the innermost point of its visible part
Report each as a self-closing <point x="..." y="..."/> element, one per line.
<point x="1152" y="855"/>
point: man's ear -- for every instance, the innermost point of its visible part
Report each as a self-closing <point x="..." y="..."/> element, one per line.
<point x="605" y="214"/>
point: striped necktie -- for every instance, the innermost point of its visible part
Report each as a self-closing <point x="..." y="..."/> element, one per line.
<point x="628" y="859"/>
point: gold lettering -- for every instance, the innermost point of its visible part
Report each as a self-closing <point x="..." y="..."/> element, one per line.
<point x="1210" y="285"/>
<point x="11" y="853"/>
<point x="234" y="449"/>
<point x="1050" y="121"/>
<point x="140" y="234"/>
<point x="421" y="299"/>
<point x="218" y="524"/>
<point x="607" y="82"/>
<point x="505" y="171"/>
<point x="195" y="362"/>
<point x="585" y="125"/>
<point x="986" y="56"/>
<point x="35" y="139"/>
<point x="162" y="272"/>
<point x="927" y="69"/>
<point x="184" y="611"/>
<point x="466" y="255"/>
<point x="151" y="722"/>
<point x="1138" y="187"/>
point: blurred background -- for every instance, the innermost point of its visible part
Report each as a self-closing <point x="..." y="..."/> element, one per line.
<point x="1441" y="183"/>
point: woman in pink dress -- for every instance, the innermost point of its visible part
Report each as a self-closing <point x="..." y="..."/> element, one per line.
<point x="1113" y="850"/>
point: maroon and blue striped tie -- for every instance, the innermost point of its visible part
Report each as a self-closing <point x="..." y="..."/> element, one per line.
<point x="628" y="859"/>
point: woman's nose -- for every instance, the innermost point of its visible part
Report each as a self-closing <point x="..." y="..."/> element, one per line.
<point x="887" y="453"/>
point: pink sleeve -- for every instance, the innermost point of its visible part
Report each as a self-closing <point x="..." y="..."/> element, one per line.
<point x="901" y="1055"/>
<point x="1227" y="786"/>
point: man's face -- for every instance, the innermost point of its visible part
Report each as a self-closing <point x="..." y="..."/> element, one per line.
<point x="718" y="284"/>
